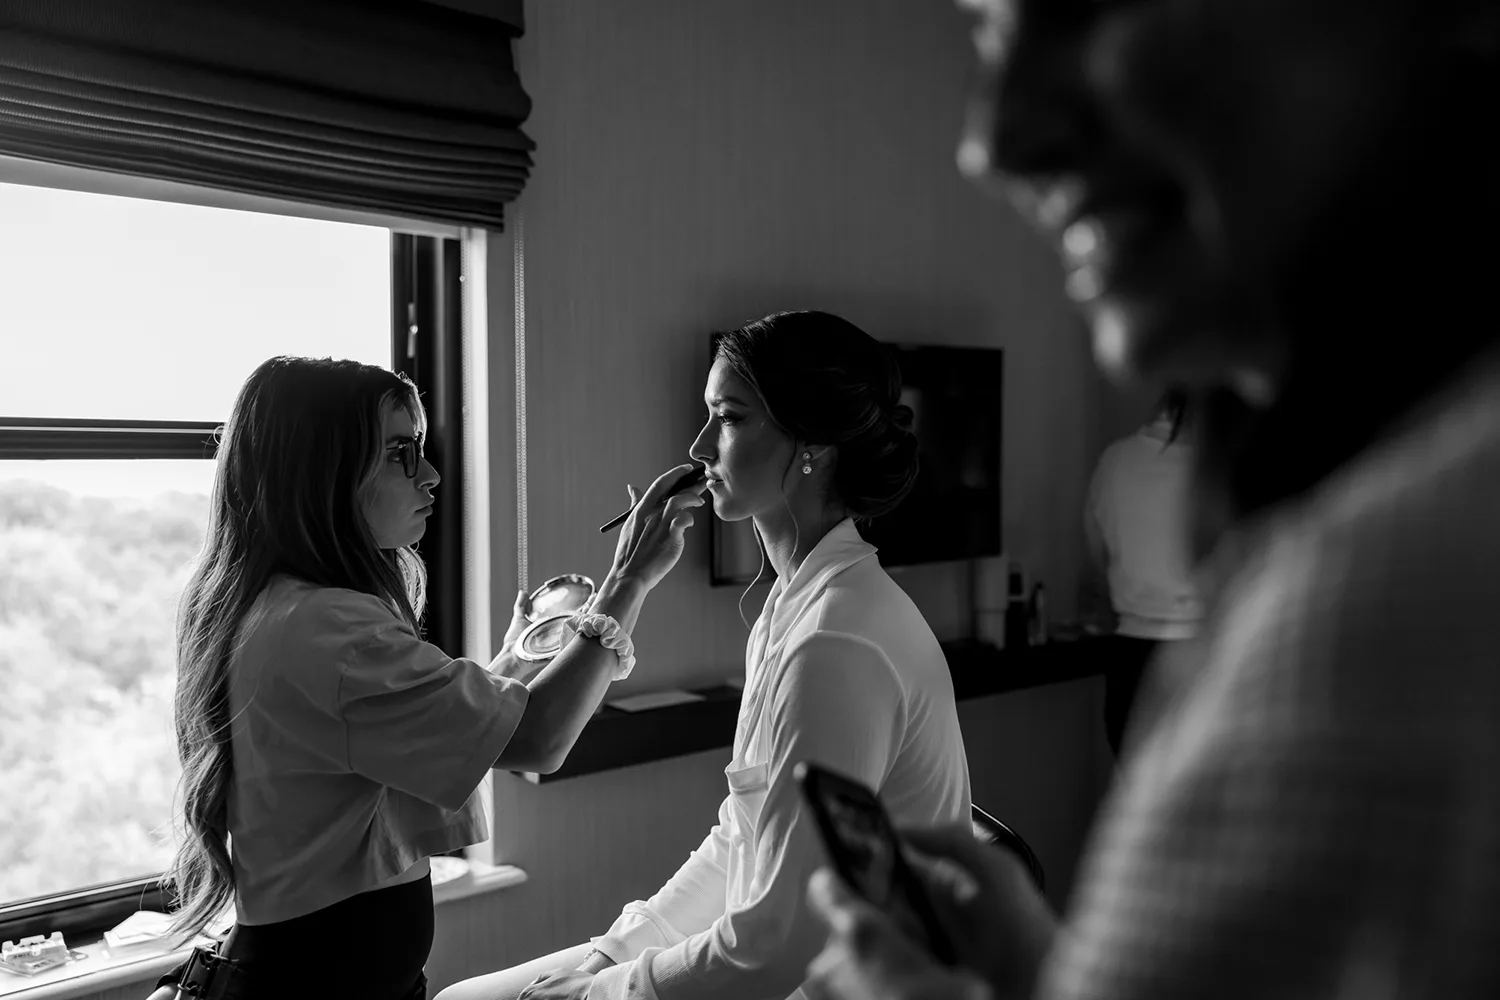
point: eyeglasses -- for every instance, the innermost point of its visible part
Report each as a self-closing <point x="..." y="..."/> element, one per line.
<point x="410" y="451"/>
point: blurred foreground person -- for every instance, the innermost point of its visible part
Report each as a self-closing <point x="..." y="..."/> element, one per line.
<point x="1286" y="206"/>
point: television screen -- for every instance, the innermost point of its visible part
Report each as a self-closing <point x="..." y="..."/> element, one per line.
<point x="953" y="512"/>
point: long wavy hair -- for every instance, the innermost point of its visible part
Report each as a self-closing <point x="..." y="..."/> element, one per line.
<point x="302" y="446"/>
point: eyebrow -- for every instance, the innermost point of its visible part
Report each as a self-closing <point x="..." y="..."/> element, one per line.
<point x="400" y="439"/>
<point x="716" y="400"/>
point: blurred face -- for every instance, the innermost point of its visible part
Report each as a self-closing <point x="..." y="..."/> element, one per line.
<point x="747" y="456"/>
<point x="398" y="500"/>
<point x="1199" y="165"/>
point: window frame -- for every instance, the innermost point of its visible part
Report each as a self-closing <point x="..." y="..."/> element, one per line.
<point x="427" y="332"/>
<point x="427" y="339"/>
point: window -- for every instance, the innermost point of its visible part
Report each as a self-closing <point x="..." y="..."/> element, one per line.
<point x="130" y="326"/>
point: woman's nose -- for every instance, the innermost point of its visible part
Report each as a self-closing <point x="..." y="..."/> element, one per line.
<point x="702" y="449"/>
<point x="427" y="475"/>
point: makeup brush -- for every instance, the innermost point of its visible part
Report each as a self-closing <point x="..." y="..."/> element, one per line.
<point x="688" y="479"/>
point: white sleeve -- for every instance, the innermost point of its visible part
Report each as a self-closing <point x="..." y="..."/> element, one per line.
<point x="838" y="703"/>
<point x="690" y="901"/>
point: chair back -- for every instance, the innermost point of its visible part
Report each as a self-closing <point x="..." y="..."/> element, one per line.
<point x="989" y="830"/>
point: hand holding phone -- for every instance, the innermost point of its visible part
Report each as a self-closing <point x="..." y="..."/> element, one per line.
<point x="866" y="852"/>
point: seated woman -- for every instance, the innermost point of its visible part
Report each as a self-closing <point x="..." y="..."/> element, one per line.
<point x="805" y="434"/>
<point x="327" y="751"/>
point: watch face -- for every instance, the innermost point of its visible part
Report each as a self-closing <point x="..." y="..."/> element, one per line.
<point x="561" y="595"/>
<point x="544" y="639"/>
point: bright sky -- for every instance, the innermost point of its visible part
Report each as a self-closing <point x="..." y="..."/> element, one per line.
<point x="122" y="307"/>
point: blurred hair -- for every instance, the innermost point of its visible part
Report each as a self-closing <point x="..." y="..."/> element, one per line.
<point x="1174" y="408"/>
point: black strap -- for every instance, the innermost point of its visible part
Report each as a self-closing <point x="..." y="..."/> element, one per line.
<point x="198" y="975"/>
<point x="204" y="967"/>
<point x="226" y="947"/>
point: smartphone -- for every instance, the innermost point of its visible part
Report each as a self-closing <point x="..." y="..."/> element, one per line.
<point x="866" y="852"/>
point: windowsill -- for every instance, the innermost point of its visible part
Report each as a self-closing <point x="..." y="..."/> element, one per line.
<point x="479" y="880"/>
<point x="102" y="971"/>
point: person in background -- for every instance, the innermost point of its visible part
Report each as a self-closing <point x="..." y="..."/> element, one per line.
<point x="1136" y="523"/>
<point x="805" y="436"/>
<point x="1290" y="207"/>
<point x="327" y="750"/>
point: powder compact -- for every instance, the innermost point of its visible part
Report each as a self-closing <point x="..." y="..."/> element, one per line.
<point x="549" y="607"/>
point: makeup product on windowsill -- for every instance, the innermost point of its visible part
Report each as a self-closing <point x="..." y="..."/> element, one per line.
<point x="143" y="930"/>
<point x="31" y="956"/>
<point x="683" y="483"/>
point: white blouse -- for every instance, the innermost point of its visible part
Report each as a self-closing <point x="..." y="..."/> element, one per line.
<point x="1137" y="509"/>
<point x="840" y="669"/>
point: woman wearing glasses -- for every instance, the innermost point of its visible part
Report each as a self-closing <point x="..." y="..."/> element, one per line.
<point x="317" y="732"/>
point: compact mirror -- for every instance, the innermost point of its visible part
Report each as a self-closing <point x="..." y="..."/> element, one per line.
<point x="561" y="595"/>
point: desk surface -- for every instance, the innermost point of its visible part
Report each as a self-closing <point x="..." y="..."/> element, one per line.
<point x="615" y="739"/>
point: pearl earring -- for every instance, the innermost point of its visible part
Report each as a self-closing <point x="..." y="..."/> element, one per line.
<point x="807" y="463"/>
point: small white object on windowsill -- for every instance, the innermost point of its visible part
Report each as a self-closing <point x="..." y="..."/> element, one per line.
<point x="32" y="956"/>
<point x="446" y="869"/>
<point x="143" y="930"/>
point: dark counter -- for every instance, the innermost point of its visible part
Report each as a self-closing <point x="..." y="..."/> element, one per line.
<point x="615" y="739"/>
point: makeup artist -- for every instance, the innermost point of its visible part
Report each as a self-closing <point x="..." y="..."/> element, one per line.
<point x="327" y="750"/>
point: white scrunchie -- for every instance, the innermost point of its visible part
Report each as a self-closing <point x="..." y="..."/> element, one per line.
<point x="610" y="633"/>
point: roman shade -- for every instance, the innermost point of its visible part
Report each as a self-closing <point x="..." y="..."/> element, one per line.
<point x="393" y="106"/>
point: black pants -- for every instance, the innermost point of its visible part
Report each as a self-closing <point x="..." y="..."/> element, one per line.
<point x="371" y="946"/>
<point x="1128" y="659"/>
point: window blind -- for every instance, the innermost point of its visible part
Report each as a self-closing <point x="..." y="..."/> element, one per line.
<point x="393" y="106"/>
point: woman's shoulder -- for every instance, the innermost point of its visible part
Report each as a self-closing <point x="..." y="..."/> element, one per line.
<point x="296" y="634"/>
<point x="864" y="591"/>
<point x="325" y="616"/>
<point x="864" y="606"/>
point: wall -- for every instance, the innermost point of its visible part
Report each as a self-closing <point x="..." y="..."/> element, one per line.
<point x="700" y="165"/>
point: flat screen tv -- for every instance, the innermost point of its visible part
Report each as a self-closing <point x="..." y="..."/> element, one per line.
<point x="953" y="512"/>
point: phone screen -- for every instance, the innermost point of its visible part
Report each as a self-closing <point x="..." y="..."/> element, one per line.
<point x="866" y="852"/>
